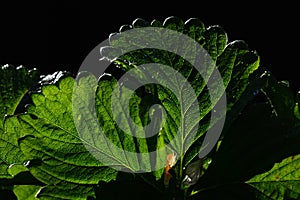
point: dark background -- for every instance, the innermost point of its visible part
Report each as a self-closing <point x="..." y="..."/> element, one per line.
<point x="57" y="35"/>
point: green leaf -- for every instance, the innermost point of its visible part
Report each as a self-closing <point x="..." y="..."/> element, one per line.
<point x="281" y="182"/>
<point x="26" y="192"/>
<point x="252" y="148"/>
<point x="234" y="61"/>
<point x="15" y="84"/>
<point x="52" y="143"/>
<point x="253" y="143"/>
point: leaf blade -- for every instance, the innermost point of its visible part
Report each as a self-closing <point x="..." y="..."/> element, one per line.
<point x="56" y="152"/>
<point x="15" y="83"/>
<point x="282" y="181"/>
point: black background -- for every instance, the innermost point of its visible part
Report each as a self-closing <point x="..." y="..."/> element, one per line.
<point x="57" y="35"/>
